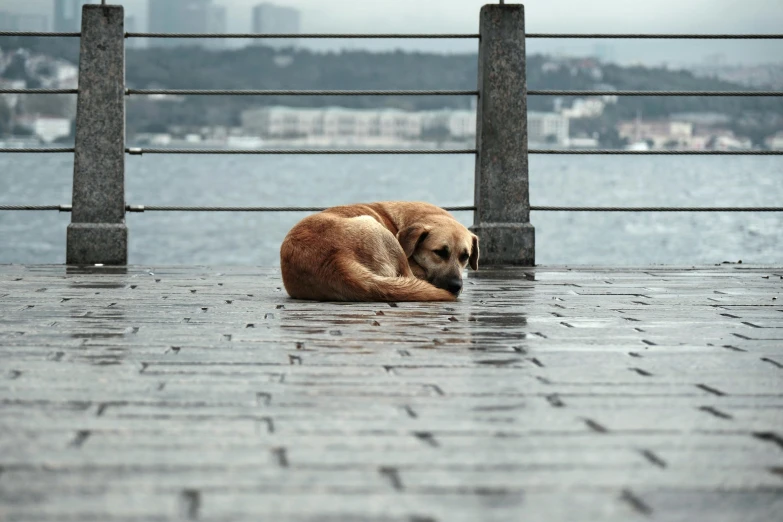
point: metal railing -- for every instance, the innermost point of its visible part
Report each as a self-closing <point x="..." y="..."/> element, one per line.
<point x="98" y="233"/>
<point x="464" y="208"/>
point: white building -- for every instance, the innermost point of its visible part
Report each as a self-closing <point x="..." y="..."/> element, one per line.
<point x="385" y="124"/>
<point x="547" y="127"/>
<point x="584" y="108"/>
<point x="460" y="124"/>
<point x="47" y="128"/>
<point x="661" y="133"/>
<point x="332" y="122"/>
<point x="775" y="142"/>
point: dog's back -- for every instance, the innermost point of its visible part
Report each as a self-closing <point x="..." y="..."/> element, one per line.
<point x="349" y="254"/>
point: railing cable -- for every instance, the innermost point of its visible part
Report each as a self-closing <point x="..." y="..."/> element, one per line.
<point x="612" y="152"/>
<point x="660" y="36"/>
<point x="37" y="150"/>
<point x="40" y="34"/>
<point x="569" y="92"/>
<point x="39" y="91"/>
<point x="463" y="208"/>
<point x="302" y="35"/>
<point x="654" y="209"/>
<point x="621" y="152"/>
<point x="141" y="151"/>
<point x="381" y="92"/>
<point x="59" y="208"/>
<point x="165" y="208"/>
<point x="289" y="92"/>
<point x="134" y="151"/>
<point x="639" y="36"/>
<point x="621" y="36"/>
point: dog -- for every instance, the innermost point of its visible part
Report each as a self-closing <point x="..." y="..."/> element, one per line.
<point x="388" y="251"/>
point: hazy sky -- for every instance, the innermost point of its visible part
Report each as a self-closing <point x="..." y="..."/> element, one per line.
<point x="699" y="16"/>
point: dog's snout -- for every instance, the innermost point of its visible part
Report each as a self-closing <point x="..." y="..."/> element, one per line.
<point x="454" y="285"/>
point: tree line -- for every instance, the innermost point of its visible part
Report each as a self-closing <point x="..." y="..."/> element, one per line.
<point x="260" y="67"/>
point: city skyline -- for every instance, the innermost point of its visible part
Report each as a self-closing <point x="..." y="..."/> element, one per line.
<point x="67" y="15"/>
<point x="186" y="16"/>
<point x="269" y="17"/>
<point x="461" y="16"/>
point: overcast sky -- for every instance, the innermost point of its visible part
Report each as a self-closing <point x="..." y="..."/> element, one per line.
<point x="699" y="16"/>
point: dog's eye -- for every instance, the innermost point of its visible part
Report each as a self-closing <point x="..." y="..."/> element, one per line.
<point x="442" y="253"/>
<point x="464" y="257"/>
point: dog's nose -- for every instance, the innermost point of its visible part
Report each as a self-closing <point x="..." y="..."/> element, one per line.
<point x="454" y="286"/>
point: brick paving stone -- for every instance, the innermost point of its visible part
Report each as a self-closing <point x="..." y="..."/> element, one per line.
<point x="199" y="393"/>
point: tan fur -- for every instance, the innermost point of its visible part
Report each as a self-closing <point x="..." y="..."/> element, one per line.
<point x="378" y="252"/>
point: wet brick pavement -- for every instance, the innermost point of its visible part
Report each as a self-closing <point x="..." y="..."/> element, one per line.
<point x="199" y="393"/>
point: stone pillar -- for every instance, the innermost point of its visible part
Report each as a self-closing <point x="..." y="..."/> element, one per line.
<point x="502" y="218"/>
<point x="97" y="233"/>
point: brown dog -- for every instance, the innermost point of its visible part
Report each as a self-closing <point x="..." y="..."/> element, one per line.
<point x="389" y="251"/>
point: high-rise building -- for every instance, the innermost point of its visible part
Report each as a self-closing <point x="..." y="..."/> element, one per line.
<point x="270" y="18"/>
<point x="23" y="22"/>
<point x="186" y="16"/>
<point x="131" y="27"/>
<point x="68" y="15"/>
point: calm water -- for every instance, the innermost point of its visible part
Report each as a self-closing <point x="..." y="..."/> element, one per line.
<point x="562" y="238"/>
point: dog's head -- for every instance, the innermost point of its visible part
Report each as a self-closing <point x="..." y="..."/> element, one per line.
<point x="438" y="250"/>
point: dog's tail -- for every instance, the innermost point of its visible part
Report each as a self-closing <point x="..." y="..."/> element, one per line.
<point x="369" y="286"/>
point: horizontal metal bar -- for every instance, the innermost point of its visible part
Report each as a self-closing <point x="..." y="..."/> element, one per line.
<point x="288" y="92"/>
<point x="40" y="34"/>
<point x="609" y="152"/>
<point x="662" y="36"/>
<point x="534" y="92"/>
<point x="60" y="208"/>
<point x="671" y="36"/>
<point x="300" y="35"/>
<point x="157" y="208"/>
<point x="655" y="209"/>
<point x="34" y="150"/>
<point x="39" y="91"/>
<point x="616" y="152"/>
<point x="139" y="151"/>
<point x="549" y="92"/>
<point x="465" y="208"/>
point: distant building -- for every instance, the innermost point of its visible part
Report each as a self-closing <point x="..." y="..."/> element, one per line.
<point x="270" y="18"/>
<point x="332" y="123"/>
<point x="380" y="126"/>
<point x="10" y="21"/>
<point x="68" y="15"/>
<point x="11" y="100"/>
<point x="547" y="127"/>
<point x="661" y="133"/>
<point x="455" y="124"/>
<point x="584" y="108"/>
<point x="131" y="27"/>
<point x="775" y="142"/>
<point x="703" y="118"/>
<point x="186" y="16"/>
<point x="47" y="128"/>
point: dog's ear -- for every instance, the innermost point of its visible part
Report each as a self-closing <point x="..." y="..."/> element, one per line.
<point x="474" y="253"/>
<point x="410" y="238"/>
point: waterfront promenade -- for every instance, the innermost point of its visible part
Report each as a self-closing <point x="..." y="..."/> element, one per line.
<point x="549" y="394"/>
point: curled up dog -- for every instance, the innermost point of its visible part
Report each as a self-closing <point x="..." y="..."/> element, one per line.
<point x="388" y="251"/>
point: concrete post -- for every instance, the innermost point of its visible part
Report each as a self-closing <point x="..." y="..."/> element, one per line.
<point x="502" y="218"/>
<point x="97" y="233"/>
